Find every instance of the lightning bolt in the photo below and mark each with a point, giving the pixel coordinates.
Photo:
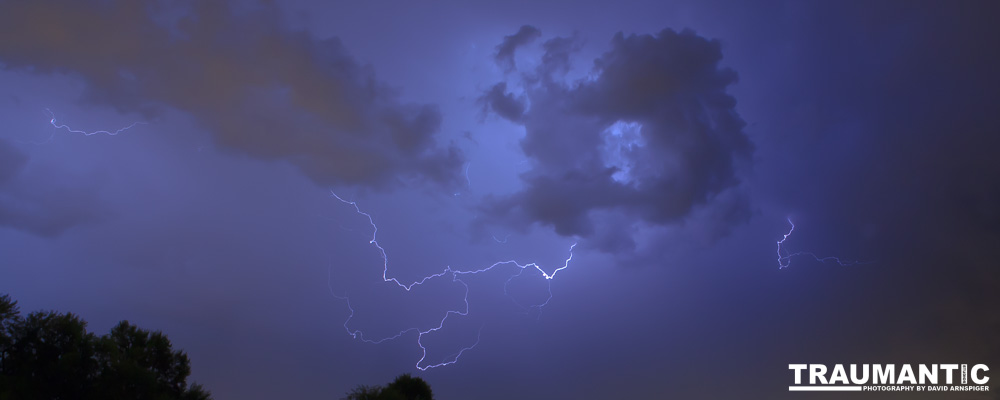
(785, 258)
(468, 181)
(85, 133)
(455, 277)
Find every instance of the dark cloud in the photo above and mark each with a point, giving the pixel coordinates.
(503, 103)
(257, 87)
(557, 52)
(38, 202)
(505, 50)
(652, 138)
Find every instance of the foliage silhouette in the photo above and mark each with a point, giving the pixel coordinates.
(404, 387)
(49, 355)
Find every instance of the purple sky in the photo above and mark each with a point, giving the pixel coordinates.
(669, 140)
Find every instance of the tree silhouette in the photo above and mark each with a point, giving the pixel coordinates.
(8, 315)
(134, 363)
(411, 388)
(404, 387)
(365, 392)
(48, 355)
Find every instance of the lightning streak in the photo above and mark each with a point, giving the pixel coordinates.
(85, 133)
(467, 180)
(455, 275)
(504, 241)
(785, 258)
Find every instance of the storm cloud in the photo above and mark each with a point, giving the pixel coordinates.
(256, 86)
(505, 50)
(649, 138)
(503, 103)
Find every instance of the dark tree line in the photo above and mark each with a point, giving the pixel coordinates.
(405, 387)
(49, 355)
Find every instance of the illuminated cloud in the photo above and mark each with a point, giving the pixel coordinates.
(650, 139)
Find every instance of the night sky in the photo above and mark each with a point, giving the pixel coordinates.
(671, 141)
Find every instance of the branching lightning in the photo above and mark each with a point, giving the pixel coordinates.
(785, 258)
(455, 277)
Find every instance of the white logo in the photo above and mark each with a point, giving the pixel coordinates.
(890, 378)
